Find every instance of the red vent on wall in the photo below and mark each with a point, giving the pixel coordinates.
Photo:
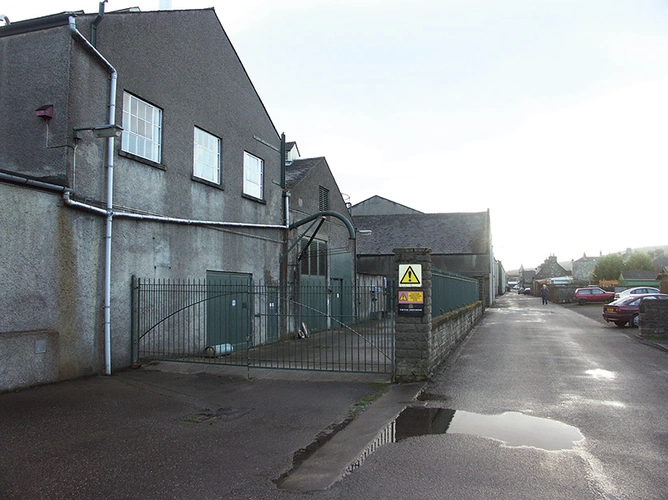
(45, 112)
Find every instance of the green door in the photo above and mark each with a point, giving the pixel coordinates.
(228, 309)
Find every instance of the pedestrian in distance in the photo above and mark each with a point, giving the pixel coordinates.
(544, 292)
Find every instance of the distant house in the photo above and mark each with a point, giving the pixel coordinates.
(459, 242)
(291, 152)
(526, 276)
(638, 278)
(583, 268)
(550, 269)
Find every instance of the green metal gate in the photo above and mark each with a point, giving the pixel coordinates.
(227, 319)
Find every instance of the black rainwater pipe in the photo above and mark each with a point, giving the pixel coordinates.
(98, 20)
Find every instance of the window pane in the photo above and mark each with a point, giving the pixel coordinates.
(253, 176)
(322, 259)
(305, 259)
(314, 258)
(142, 125)
(206, 156)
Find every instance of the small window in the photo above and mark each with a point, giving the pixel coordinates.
(313, 258)
(142, 128)
(206, 156)
(303, 253)
(253, 176)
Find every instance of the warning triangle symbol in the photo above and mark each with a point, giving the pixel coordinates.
(403, 297)
(409, 277)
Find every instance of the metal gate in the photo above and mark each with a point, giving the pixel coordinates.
(227, 319)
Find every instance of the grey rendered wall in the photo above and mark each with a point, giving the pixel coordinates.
(63, 248)
(182, 62)
(207, 88)
(35, 71)
(50, 289)
(50, 326)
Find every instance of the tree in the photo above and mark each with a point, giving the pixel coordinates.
(608, 267)
(656, 253)
(639, 261)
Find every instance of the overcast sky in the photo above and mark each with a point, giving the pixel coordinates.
(552, 114)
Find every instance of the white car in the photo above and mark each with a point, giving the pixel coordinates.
(636, 290)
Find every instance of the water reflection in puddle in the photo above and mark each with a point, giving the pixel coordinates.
(601, 374)
(514, 429)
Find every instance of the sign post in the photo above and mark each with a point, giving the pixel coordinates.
(411, 302)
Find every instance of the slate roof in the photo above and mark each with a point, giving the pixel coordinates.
(639, 275)
(550, 269)
(298, 169)
(380, 200)
(445, 234)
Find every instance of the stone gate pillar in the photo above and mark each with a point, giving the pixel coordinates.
(413, 354)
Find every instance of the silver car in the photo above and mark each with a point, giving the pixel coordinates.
(636, 290)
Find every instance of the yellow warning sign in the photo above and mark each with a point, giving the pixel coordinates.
(412, 297)
(411, 275)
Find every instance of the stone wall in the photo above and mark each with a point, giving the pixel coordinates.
(450, 328)
(654, 318)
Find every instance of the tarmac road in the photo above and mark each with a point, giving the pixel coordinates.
(161, 434)
(157, 433)
(540, 371)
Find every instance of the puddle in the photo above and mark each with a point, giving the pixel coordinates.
(513, 429)
(601, 374)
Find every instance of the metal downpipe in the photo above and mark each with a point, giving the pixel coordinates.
(110, 191)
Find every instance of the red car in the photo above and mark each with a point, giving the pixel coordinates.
(627, 309)
(592, 294)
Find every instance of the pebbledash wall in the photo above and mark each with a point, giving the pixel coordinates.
(423, 342)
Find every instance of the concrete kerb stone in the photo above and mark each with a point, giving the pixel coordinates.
(658, 345)
(348, 448)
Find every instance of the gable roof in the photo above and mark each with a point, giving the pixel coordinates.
(445, 234)
(186, 19)
(584, 258)
(298, 169)
(377, 205)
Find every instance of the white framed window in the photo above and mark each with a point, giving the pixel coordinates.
(206, 156)
(142, 128)
(253, 176)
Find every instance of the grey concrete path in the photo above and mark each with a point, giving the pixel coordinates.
(173, 431)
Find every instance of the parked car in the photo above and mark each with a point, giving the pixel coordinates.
(627, 309)
(636, 290)
(592, 294)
